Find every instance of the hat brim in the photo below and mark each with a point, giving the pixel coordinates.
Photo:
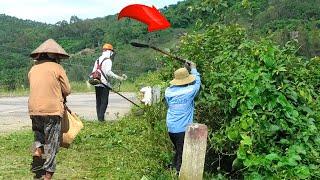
(61, 56)
(180, 82)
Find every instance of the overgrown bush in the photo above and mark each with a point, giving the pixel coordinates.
(260, 102)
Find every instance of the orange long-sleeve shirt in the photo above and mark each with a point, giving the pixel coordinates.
(49, 85)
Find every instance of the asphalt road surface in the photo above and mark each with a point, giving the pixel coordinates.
(14, 110)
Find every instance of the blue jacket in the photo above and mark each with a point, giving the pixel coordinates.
(180, 100)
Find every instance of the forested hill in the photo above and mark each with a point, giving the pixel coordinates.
(83, 40)
(281, 20)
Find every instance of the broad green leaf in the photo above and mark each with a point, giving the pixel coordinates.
(313, 167)
(250, 121)
(271, 104)
(274, 128)
(244, 124)
(282, 100)
(292, 160)
(233, 103)
(233, 134)
(306, 109)
(300, 150)
(303, 172)
(295, 114)
(254, 176)
(250, 104)
(284, 141)
(246, 140)
(269, 61)
(272, 156)
(241, 153)
(236, 163)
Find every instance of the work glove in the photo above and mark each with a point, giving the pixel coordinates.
(125, 77)
(122, 77)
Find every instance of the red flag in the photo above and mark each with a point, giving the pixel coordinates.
(145, 14)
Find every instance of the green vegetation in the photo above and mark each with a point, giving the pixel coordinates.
(280, 20)
(260, 101)
(16, 92)
(83, 40)
(259, 94)
(78, 87)
(127, 149)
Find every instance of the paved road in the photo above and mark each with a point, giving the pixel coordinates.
(14, 110)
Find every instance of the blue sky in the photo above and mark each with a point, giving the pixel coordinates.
(52, 11)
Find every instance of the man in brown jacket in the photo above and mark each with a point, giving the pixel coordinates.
(49, 87)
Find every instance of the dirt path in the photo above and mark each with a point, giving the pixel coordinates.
(14, 110)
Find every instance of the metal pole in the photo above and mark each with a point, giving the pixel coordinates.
(142, 45)
(121, 95)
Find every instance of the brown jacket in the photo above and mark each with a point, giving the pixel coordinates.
(49, 85)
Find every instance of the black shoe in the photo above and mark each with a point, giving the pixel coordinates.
(101, 120)
(39, 175)
(37, 164)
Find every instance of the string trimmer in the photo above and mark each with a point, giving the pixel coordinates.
(106, 86)
(142, 45)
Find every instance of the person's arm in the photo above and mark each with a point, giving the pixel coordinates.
(198, 79)
(108, 71)
(64, 82)
(196, 74)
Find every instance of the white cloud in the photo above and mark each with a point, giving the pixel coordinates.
(54, 11)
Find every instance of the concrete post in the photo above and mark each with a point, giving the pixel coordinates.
(156, 93)
(194, 151)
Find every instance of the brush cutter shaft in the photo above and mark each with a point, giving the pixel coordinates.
(120, 95)
(141, 45)
(125, 98)
(168, 54)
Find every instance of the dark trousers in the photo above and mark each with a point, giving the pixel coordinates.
(47, 135)
(178, 140)
(102, 99)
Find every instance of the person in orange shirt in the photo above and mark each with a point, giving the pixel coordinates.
(49, 87)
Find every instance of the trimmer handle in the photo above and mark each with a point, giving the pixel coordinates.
(170, 55)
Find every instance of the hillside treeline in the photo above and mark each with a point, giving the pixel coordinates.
(279, 20)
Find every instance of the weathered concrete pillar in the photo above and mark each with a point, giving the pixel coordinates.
(194, 152)
(156, 93)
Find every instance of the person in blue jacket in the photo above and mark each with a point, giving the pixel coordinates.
(180, 99)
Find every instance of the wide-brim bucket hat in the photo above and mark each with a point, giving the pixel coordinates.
(182, 77)
(50, 46)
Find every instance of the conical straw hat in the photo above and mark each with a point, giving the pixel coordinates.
(50, 46)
